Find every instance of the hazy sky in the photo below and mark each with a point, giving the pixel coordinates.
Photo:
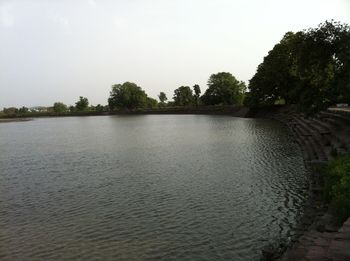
(57, 50)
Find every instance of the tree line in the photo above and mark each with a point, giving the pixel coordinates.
(223, 89)
(310, 68)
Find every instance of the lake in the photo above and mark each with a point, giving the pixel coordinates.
(151, 187)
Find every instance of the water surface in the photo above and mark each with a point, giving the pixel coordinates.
(157, 187)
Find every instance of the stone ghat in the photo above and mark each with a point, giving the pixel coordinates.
(321, 138)
(318, 246)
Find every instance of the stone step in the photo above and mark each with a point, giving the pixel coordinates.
(324, 124)
(318, 149)
(305, 125)
(337, 137)
(335, 124)
(335, 116)
(318, 141)
(324, 137)
(306, 149)
(303, 130)
(316, 126)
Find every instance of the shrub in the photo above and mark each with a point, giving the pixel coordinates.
(337, 186)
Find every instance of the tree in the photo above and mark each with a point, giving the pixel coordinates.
(342, 51)
(273, 80)
(309, 68)
(322, 65)
(242, 88)
(59, 107)
(183, 96)
(223, 88)
(72, 108)
(197, 93)
(23, 110)
(151, 103)
(82, 104)
(99, 108)
(127, 95)
(10, 111)
(162, 97)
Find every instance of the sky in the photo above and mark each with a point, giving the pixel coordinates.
(58, 50)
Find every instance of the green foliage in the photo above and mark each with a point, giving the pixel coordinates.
(309, 68)
(23, 110)
(224, 89)
(337, 186)
(183, 96)
(72, 108)
(273, 79)
(170, 104)
(151, 103)
(127, 96)
(162, 97)
(10, 111)
(82, 104)
(197, 93)
(99, 108)
(59, 107)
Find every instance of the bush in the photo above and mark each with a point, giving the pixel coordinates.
(337, 186)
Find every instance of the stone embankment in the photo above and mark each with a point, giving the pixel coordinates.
(322, 246)
(321, 138)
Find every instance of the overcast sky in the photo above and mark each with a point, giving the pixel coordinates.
(59, 50)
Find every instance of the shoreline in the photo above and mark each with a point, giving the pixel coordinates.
(316, 228)
(237, 111)
(8, 120)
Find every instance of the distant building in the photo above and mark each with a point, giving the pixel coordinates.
(39, 109)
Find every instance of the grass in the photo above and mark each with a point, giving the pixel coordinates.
(337, 186)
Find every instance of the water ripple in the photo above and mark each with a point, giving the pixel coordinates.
(147, 188)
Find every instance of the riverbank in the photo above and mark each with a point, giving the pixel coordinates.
(322, 138)
(236, 111)
(5, 120)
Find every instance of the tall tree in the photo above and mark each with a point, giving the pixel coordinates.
(273, 80)
(183, 96)
(197, 93)
(127, 95)
(59, 107)
(82, 104)
(99, 108)
(162, 97)
(309, 68)
(151, 103)
(223, 88)
(23, 110)
(10, 111)
(322, 64)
